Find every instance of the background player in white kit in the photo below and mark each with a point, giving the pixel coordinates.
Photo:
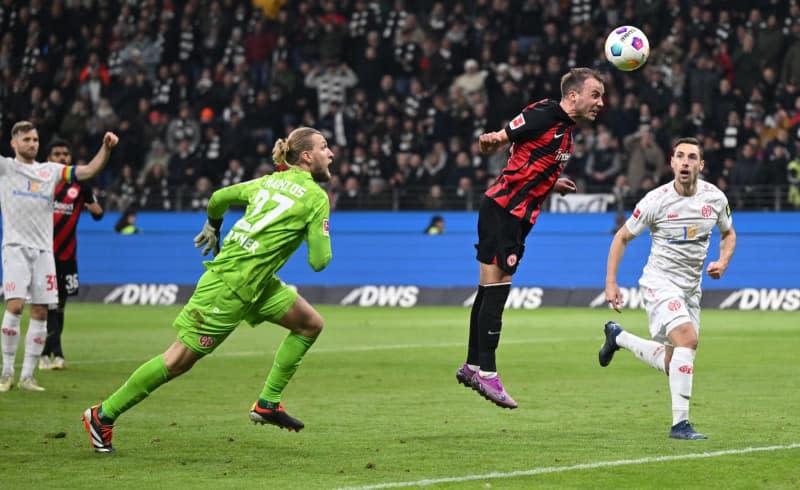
(26, 200)
(681, 216)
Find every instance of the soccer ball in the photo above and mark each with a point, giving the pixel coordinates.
(627, 48)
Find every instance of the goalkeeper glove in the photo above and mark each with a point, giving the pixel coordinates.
(208, 238)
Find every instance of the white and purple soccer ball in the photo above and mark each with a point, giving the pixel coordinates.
(627, 48)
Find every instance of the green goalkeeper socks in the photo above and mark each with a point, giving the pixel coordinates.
(287, 360)
(142, 382)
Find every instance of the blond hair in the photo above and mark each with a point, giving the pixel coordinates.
(22, 127)
(287, 151)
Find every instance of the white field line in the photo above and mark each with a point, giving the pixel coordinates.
(328, 350)
(577, 467)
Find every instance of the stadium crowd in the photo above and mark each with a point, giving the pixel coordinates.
(198, 90)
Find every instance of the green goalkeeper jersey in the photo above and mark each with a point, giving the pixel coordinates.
(283, 209)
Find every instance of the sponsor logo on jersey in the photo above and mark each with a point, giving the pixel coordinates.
(706, 211)
(33, 189)
(143, 294)
(402, 296)
(763, 299)
(44, 173)
(326, 227)
(563, 156)
(517, 122)
(63, 208)
(672, 216)
(72, 193)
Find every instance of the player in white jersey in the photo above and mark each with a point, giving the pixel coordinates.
(26, 199)
(680, 216)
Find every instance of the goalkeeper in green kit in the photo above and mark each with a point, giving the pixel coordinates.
(282, 210)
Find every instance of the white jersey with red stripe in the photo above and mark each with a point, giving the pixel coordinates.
(680, 228)
(26, 201)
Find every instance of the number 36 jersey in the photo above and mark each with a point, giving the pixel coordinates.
(680, 227)
(282, 210)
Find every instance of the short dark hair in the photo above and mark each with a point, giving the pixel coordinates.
(58, 142)
(573, 79)
(689, 141)
(22, 127)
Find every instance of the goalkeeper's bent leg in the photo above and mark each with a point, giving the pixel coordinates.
(287, 360)
(142, 382)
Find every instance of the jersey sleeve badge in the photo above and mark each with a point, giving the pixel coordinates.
(326, 227)
(517, 122)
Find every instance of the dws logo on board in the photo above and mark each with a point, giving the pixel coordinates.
(518, 298)
(143, 294)
(402, 296)
(763, 299)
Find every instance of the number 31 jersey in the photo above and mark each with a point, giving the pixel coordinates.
(282, 210)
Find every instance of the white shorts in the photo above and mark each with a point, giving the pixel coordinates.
(669, 306)
(29, 274)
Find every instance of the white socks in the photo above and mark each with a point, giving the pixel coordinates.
(10, 340)
(34, 345)
(649, 351)
(681, 372)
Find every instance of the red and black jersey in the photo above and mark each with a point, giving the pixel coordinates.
(541, 137)
(69, 200)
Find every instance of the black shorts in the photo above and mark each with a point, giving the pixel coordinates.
(67, 276)
(501, 236)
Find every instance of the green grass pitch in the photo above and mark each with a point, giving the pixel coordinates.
(383, 410)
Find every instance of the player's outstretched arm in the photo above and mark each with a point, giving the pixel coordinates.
(98, 163)
(615, 253)
(727, 245)
(490, 142)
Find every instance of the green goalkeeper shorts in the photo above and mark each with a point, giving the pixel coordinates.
(214, 311)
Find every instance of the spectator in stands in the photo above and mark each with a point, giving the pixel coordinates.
(233, 174)
(436, 225)
(331, 83)
(604, 162)
(183, 127)
(124, 190)
(201, 194)
(350, 198)
(155, 190)
(645, 158)
(745, 177)
(126, 224)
